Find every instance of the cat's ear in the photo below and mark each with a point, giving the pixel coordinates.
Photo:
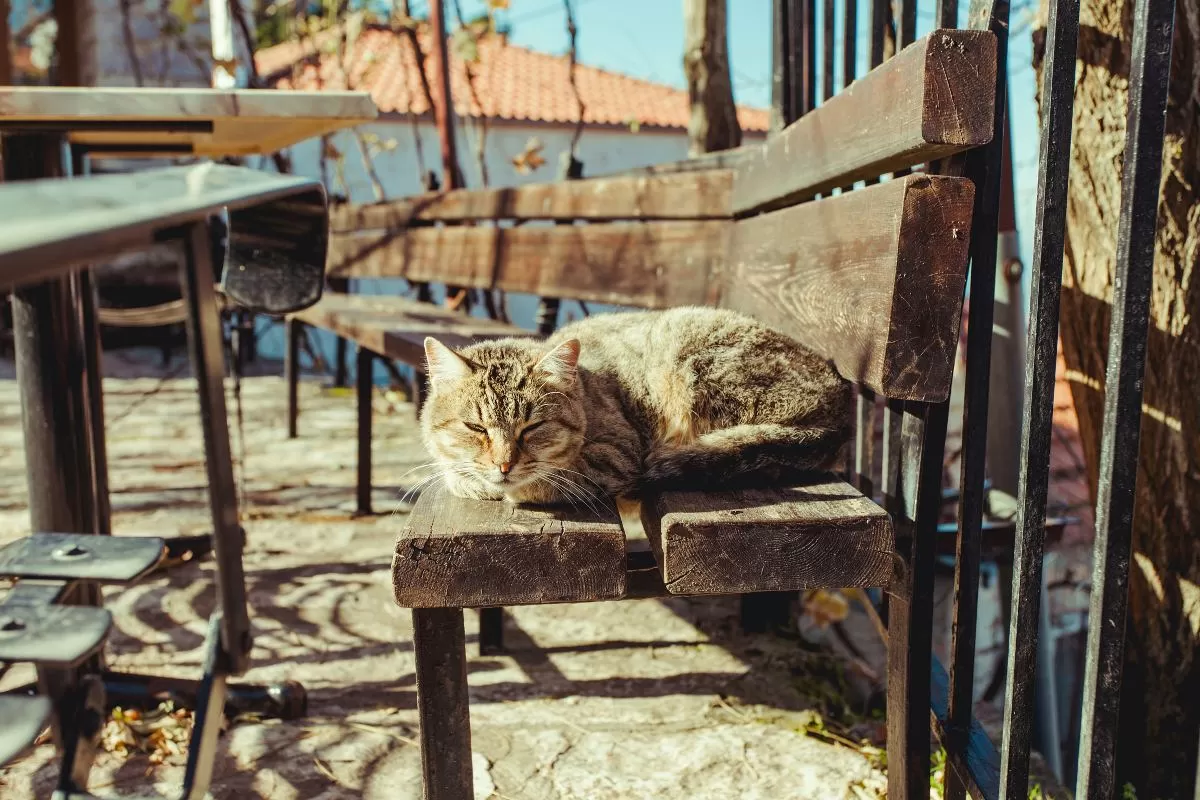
(558, 366)
(442, 363)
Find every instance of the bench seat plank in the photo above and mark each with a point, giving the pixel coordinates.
(457, 553)
(396, 327)
(826, 534)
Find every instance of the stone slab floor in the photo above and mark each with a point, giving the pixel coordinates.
(644, 699)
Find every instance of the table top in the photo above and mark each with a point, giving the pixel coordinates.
(204, 122)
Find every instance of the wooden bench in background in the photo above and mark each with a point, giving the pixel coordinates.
(871, 278)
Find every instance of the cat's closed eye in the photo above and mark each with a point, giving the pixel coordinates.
(475, 428)
(531, 427)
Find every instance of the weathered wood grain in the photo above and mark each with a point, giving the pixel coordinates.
(695, 195)
(935, 98)
(396, 327)
(443, 709)
(647, 264)
(822, 535)
(473, 553)
(872, 279)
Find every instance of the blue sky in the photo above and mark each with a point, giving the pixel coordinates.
(644, 38)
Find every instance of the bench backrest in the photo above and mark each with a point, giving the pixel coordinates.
(872, 278)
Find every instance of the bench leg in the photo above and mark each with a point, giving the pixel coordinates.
(491, 631)
(339, 363)
(442, 709)
(909, 666)
(364, 369)
(291, 373)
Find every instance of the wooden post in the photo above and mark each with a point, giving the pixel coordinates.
(713, 124)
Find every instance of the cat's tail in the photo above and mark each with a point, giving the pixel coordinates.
(744, 456)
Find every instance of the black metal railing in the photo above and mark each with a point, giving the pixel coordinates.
(908, 470)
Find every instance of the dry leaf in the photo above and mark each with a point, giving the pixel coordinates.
(530, 158)
(824, 607)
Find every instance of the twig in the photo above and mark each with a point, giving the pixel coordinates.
(572, 32)
(130, 43)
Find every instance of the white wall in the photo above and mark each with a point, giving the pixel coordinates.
(162, 59)
(602, 151)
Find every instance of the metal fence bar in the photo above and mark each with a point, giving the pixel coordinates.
(983, 165)
(907, 24)
(1153, 25)
(828, 58)
(880, 15)
(1054, 164)
(808, 56)
(849, 41)
(946, 14)
(781, 85)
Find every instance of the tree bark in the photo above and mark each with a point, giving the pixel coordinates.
(713, 124)
(1160, 705)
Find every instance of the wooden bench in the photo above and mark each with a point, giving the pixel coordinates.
(872, 278)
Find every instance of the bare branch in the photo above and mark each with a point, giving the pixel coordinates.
(130, 43)
(572, 32)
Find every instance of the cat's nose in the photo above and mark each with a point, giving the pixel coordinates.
(505, 467)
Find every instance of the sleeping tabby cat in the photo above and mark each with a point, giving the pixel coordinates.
(624, 403)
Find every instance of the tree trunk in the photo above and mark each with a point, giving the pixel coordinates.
(1160, 707)
(713, 124)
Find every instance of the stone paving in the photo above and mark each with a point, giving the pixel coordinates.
(642, 699)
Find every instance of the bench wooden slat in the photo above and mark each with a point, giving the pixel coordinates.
(933, 99)
(648, 264)
(872, 279)
(822, 535)
(396, 327)
(470, 553)
(695, 195)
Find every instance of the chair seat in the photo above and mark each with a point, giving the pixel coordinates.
(77, 556)
(825, 534)
(396, 327)
(457, 553)
(55, 635)
(24, 718)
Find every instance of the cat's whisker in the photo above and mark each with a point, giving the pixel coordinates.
(447, 470)
(580, 474)
(572, 490)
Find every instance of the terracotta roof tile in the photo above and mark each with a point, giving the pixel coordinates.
(513, 83)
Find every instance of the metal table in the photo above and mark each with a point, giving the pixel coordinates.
(51, 237)
(43, 130)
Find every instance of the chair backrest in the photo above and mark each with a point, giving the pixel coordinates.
(872, 278)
